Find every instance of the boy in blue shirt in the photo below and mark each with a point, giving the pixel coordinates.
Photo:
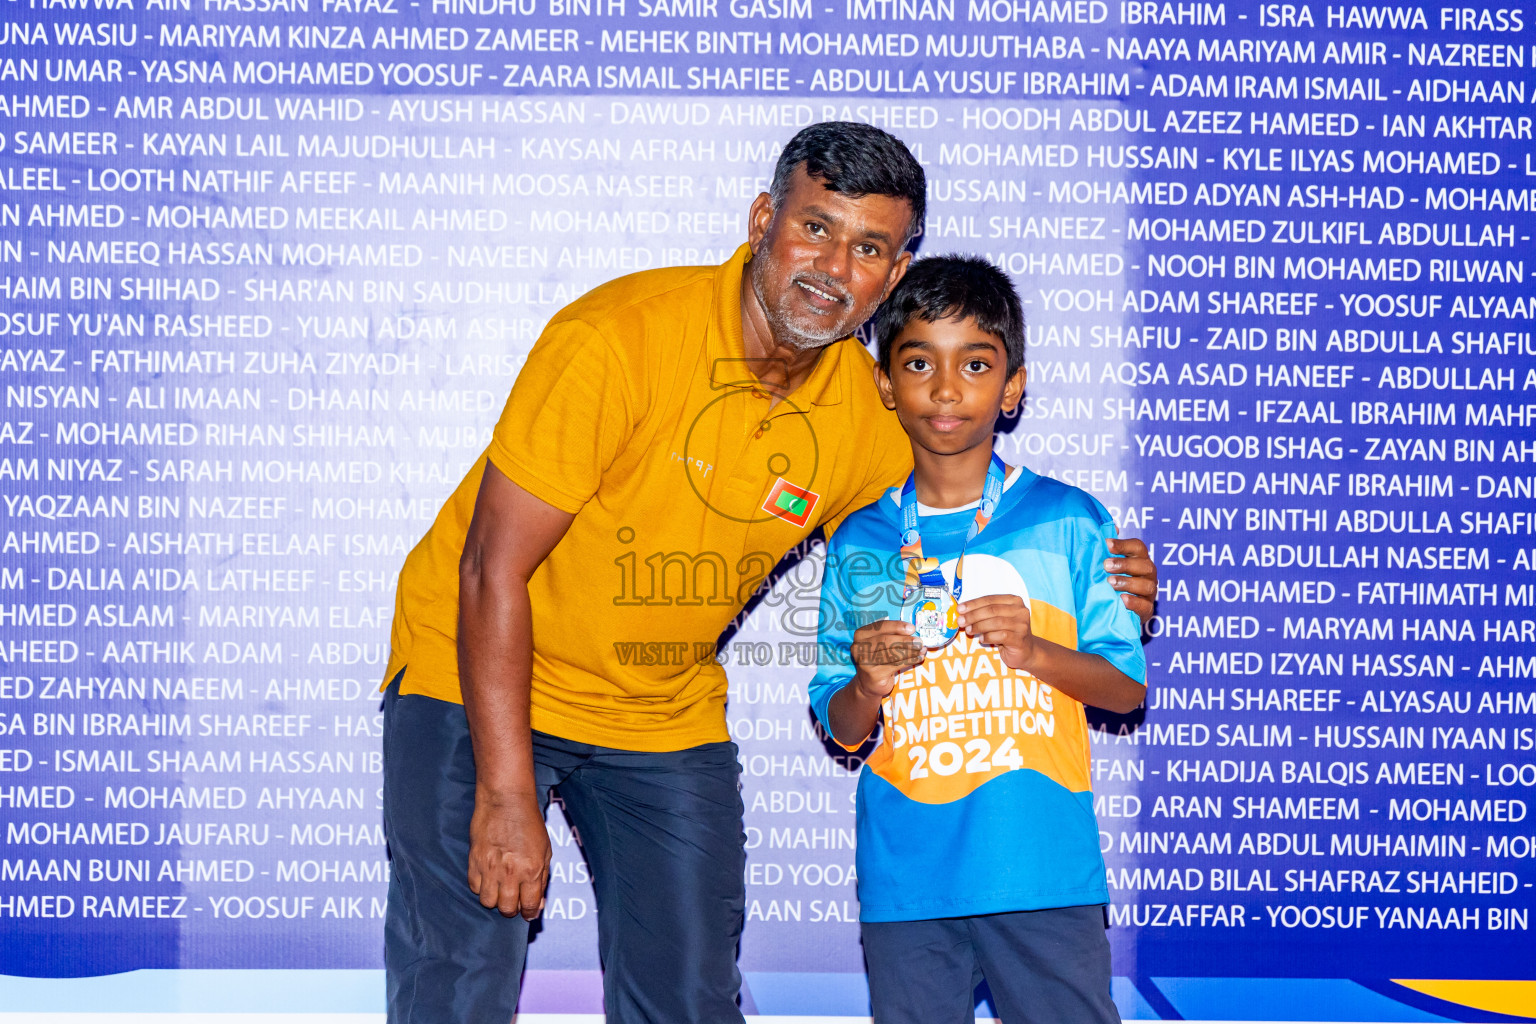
(980, 621)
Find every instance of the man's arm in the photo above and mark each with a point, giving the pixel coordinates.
(509, 537)
(1138, 587)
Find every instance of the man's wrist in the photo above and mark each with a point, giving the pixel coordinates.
(510, 795)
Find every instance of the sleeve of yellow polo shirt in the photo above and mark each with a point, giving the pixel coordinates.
(890, 462)
(567, 418)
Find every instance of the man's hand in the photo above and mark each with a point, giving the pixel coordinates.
(1138, 585)
(882, 651)
(509, 855)
(1002, 621)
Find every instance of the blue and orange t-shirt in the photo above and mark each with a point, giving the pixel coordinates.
(978, 797)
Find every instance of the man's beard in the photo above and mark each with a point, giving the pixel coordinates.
(804, 330)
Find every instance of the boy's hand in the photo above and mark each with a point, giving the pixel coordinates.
(1138, 587)
(882, 651)
(1002, 621)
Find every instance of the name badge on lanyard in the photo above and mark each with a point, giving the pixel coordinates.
(929, 602)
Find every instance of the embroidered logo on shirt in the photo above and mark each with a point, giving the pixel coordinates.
(790, 503)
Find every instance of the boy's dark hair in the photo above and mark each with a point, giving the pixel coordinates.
(854, 160)
(954, 288)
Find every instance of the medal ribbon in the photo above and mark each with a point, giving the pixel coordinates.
(926, 572)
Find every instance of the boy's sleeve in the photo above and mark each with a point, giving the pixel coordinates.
(1105, 626)
(567, 418)
(834, 632)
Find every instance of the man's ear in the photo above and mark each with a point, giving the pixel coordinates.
(898, 271)
(883, 385)
(759, 220)
(1013, 391)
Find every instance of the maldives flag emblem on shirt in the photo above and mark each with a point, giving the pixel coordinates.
(790, 503)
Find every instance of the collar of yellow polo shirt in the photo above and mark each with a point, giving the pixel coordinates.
(637, 412)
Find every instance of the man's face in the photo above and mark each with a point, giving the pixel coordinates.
(822, 262)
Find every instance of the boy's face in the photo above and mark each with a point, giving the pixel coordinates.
(947, 383)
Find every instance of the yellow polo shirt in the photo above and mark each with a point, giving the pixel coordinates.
(636, 412)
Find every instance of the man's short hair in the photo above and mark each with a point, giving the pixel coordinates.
(954, 288)
(855, 160)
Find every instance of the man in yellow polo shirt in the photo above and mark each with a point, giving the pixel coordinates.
(671, 435)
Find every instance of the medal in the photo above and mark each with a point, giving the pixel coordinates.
(928, 601)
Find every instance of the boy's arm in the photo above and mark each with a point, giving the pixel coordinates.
(1003, 621)
(844, 693)
(881, 651)
(1108, 668)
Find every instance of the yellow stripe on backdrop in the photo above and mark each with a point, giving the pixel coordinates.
(1512, 998)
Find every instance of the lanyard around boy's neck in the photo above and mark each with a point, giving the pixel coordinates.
(923, 575)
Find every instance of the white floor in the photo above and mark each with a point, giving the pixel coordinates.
(378, 1018)
(347, 1018)
(344, 1018)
